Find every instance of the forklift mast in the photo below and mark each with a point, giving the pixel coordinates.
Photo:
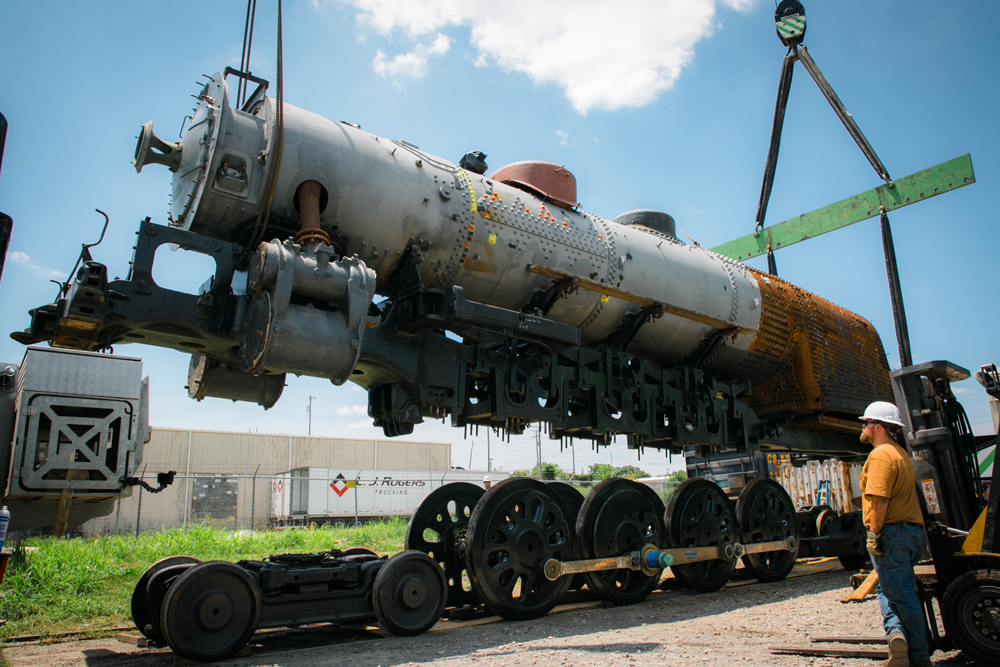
(940, 441)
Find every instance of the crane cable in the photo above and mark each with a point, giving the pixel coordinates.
(241, 87)
(264, 214)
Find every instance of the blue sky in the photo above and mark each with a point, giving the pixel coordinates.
(663, 105)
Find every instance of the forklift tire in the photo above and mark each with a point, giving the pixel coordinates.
(970, 610)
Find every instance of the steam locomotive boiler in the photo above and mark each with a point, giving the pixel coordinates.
(505, 303)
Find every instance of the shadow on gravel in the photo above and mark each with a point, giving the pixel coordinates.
(505, 638)
(105, 658)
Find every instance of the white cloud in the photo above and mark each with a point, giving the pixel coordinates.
(604, 55)
(597, 141)
(961, 390)
(22, 259)
(353, 410)
(563, 137)
(413, 64)
(362, 423)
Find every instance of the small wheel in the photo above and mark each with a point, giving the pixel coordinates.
(620, 516)
(766, 514)
(156, 592)
(574, 502)
(410, 593)
(438, 528)
(699, 514)
(516, 527)
(970, 610)
(142, 613)
(210, 612)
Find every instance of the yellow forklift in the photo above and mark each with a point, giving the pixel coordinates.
(960, 512)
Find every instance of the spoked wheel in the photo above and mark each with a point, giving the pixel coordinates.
(438, 529)
(144, 615)
(574, 502)
(970, 610)
(766, 514)
(517, 526)
(210, 612)
(620, 516)
(410, 593)
(699, 514)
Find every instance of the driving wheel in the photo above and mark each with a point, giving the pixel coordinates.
(574, 502)
(410, 593)
(438, 529)
(620, 516)
(970, 610)
(699, 514)
(145, 617)
(515, 528)
(210, 612)
(766, 514)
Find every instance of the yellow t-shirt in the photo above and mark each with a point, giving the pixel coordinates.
(888, 472)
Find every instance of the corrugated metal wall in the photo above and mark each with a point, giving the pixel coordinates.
(804, 483)
(225, 478)
(221, 452)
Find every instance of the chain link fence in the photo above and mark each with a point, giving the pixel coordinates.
(302, 497)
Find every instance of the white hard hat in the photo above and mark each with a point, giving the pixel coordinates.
(486, 479)
(882, 412)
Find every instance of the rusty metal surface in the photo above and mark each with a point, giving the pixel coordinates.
(548, 179)
(309, 208)
(812, 359)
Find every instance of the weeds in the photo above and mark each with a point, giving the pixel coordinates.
(86, 584)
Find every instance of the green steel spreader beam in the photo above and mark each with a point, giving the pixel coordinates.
(925, 184)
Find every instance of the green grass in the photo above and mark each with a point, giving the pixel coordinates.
(86, 584)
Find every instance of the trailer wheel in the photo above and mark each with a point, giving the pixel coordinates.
(970, 610)
(143, 615)
(409, 594)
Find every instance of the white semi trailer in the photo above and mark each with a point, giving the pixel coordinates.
(325, 494)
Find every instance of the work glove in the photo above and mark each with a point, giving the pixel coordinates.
(875, 543)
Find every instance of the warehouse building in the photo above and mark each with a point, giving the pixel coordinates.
(225, 479)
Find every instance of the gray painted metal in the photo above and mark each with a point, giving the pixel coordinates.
(76, 411)
(282, 337)
(384, 197)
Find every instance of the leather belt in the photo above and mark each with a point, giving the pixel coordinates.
(904, 523)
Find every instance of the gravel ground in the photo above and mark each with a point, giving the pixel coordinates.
(738, 626)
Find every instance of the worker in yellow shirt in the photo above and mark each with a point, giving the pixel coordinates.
(895, 534)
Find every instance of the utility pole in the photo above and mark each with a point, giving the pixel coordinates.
(573, 449)
(488, 459)
(310, 411)
(538, 447)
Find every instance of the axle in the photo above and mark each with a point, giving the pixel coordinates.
(650, 559)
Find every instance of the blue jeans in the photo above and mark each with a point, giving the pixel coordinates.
(902, 611)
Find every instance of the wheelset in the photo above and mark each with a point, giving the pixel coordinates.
(439, 527)
(145, 615)
(210, 612)
(699, 514)
(516, 527)
(766, 514)
(410, 593)
(618, 517)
